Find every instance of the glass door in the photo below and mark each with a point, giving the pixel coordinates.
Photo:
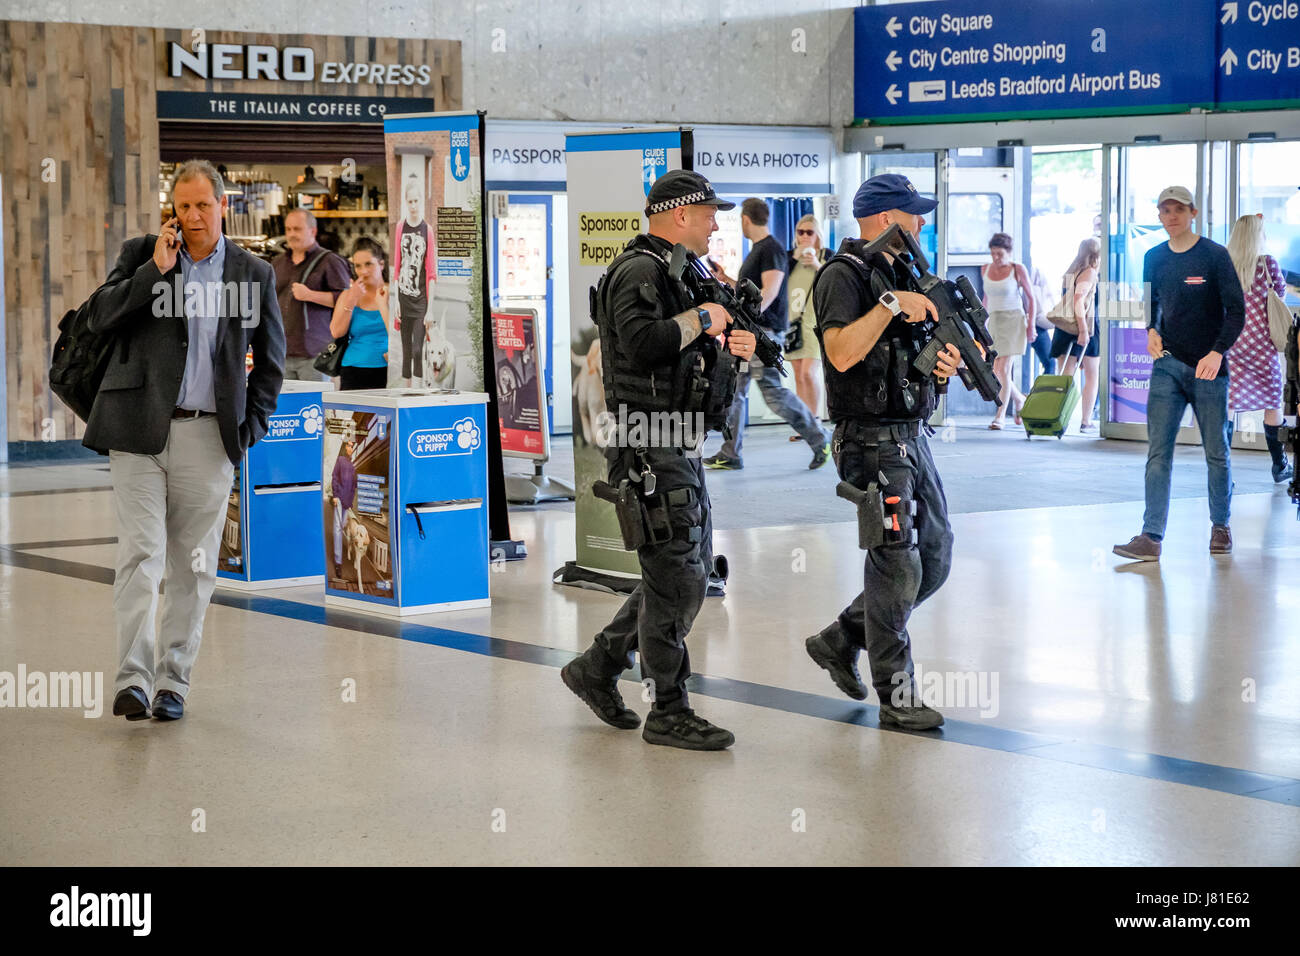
(1136, 175)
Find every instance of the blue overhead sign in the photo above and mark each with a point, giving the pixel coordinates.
(1258, 61)
(962, 60)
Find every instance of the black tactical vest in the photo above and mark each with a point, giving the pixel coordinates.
(683, 386)
(884, 386)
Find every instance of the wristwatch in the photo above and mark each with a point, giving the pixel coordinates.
(705, 321)
(890, 302)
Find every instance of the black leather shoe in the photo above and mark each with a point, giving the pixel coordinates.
(843, 672)
(131, 703)
(168, 705)
(686, 730)
(601, 696)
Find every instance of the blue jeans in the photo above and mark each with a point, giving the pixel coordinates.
(780, 400)
(1042, 346)
(1174, 386)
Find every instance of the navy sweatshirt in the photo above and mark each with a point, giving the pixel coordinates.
(1197, 304)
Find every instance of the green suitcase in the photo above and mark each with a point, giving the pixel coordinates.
(1049, 405)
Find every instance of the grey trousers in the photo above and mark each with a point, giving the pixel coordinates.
(301, 368)
(781, 400)
(658, 615)
(170, 511)
(896, 577)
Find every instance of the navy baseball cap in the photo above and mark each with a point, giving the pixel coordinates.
(890, 191)
(682, 187)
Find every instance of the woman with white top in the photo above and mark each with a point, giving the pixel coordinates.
(1079, 288)
(1009, 325)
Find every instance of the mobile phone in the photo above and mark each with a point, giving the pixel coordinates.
(174, 240)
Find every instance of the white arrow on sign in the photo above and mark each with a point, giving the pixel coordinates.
(892, 94)
(893, 60)
(1229, 13)
(1228, 61)
(892, 27)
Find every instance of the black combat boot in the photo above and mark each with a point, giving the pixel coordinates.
(840, 662)
(600, 694)
(685, 729)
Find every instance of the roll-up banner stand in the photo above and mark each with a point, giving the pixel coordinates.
(438, 280)
(521, 397)
(610, 173)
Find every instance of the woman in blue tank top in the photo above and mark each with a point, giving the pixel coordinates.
(361, 313)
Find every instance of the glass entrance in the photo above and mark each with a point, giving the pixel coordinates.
(1136, 175)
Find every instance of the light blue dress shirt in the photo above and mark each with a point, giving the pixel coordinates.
(202, 315)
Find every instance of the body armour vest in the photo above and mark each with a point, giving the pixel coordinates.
(695, 382)
(884, 386)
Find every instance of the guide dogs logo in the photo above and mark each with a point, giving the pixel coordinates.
(654, 163)
(305, 425)
(459, 155)
(1195, 280)
(460, 439)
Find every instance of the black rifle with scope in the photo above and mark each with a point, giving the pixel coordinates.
(961, 316)
(744, 305)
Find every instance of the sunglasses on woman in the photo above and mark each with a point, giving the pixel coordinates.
(805, 232)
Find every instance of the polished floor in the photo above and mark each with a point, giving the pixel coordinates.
(1118, 714)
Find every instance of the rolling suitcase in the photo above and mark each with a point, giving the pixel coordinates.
(1049, 405)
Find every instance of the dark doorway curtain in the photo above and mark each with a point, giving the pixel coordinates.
(785, 213)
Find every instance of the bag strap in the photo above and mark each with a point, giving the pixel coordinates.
(311, 264)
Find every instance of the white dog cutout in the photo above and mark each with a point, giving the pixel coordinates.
(357, 539)
(439, 354)
(589, 389)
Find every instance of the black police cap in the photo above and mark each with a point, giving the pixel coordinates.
(681, 187)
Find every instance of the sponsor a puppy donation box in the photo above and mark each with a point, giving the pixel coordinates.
(272, 534)
(405, 515)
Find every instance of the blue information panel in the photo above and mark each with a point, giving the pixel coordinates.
(962, 60)
(1258, 62)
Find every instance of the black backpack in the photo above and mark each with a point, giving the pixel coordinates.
(79, 361)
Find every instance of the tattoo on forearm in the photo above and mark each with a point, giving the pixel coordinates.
(690, 326)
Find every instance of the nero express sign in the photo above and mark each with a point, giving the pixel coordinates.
(297, 64)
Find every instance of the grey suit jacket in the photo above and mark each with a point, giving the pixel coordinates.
(133, 409)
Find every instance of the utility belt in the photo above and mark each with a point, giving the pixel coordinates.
(645, 513)
(884, 518)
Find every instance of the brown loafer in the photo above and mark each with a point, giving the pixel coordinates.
(1141, 548)
(1220, 539)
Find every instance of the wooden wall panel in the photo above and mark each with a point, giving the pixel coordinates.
(62, 236)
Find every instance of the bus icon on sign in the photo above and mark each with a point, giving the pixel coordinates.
(926, 91)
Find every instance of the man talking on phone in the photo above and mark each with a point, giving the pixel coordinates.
(175, 413)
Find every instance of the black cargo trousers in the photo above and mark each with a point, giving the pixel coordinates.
(898, 575)
(658, 615)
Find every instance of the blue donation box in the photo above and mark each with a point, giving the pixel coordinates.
(272, 533)
(405, 500)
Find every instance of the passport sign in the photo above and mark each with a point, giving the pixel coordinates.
(1258, 62)
(962, 60)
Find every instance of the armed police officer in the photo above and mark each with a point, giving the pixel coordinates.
(661, 361)
(869, 325)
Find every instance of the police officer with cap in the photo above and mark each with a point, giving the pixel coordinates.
(650, 330)
(868, 325)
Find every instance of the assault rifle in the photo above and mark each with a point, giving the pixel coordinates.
(961, 316)
(1290, 403)
(744, 305)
